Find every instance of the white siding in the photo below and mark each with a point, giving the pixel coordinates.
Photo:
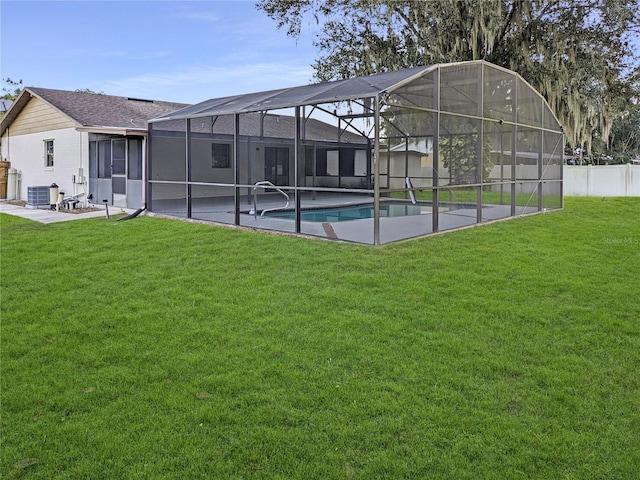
(37, 116)
(27, 154)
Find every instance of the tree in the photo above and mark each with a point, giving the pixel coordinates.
(625, 136)
(11, 89)
(87, 90)
(575, 52)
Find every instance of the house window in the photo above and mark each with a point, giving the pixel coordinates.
(220, 155)
(48, 153)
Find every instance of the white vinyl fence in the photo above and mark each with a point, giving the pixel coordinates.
(602, 180)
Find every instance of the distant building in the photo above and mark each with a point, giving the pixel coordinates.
(4, 106)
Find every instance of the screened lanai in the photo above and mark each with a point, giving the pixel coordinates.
(372, 160)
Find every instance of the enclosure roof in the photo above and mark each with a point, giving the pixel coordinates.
(315, 94)
(272, 126)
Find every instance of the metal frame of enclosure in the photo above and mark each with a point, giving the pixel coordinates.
(371, 160)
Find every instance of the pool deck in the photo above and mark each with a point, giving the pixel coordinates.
(392, 229)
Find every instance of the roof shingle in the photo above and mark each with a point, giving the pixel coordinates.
(98, 110)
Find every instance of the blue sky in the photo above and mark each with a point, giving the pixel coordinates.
(183, 51)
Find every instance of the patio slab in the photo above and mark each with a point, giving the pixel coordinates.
(42, 215)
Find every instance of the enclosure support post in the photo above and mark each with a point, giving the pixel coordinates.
(514, 139)
(480, 171)
(250, 158)
(147, 171)
(562, 173)
(188, 165)
(514, 148)
(406, 162)
(376, 175)
(236, 169)
(315, 167)
(435, 194)
(368, 171)
(296, 161)
(501, 167)
(540, 169)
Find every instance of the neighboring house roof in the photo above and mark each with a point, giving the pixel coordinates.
(5, 105)
(94, 110)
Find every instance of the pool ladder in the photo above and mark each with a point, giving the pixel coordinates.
(264, 185)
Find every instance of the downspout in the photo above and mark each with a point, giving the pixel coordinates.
(77, 178)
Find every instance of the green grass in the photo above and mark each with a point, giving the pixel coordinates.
(157, 349)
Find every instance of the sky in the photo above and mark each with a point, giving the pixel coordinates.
(180, 51)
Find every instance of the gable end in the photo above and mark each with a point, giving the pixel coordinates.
(37, 116)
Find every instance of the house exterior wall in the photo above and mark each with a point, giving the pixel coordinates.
(26, 152)
(23, 144)
(169, 156)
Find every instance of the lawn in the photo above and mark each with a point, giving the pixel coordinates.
(159, 349)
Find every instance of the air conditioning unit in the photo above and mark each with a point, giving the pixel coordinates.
(37, 196)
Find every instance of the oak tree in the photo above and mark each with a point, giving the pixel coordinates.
(577, 53)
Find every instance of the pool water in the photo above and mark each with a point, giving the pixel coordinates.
(352, 212)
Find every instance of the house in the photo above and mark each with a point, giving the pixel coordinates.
(4, 106)
(86, 143)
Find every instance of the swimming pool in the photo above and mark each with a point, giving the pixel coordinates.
(352, 212)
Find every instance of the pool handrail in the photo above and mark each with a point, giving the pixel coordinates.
(266, 184)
